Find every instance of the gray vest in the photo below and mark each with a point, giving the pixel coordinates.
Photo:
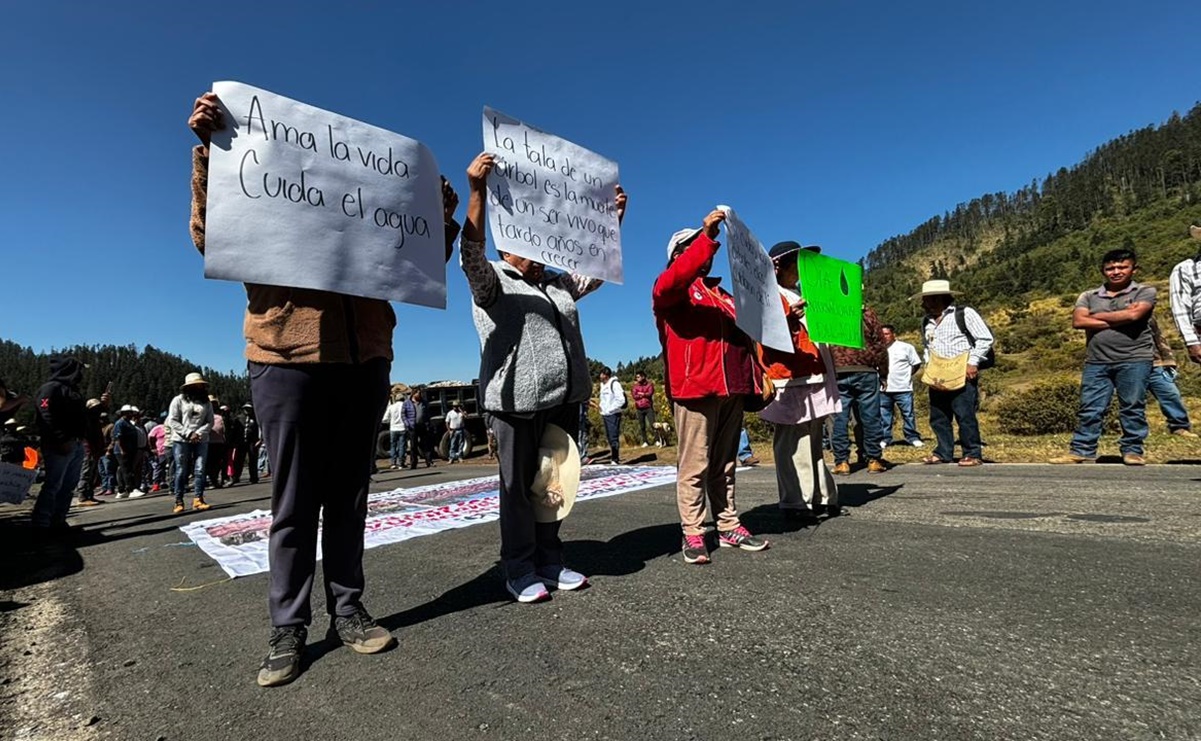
(531, 350)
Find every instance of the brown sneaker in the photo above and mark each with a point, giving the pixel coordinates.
(1072, 458)
(200, 505)
(875, 465)
(1133, 459)
(1185, 433)
(362, 634)
(842, 469)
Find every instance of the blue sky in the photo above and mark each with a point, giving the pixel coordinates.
(839, 124)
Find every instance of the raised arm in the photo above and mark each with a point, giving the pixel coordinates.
(580, 286)
(672, 285)
(481, 277)
(205, 119)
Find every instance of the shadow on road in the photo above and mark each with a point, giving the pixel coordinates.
(768, 519)
(623, 554)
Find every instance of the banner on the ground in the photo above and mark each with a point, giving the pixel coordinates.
(306, 198)
(15, 482)
(552, 201)
(758, 309)
(239, 543)
(833, 293)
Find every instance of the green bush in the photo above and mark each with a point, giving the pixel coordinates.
(1047, 408)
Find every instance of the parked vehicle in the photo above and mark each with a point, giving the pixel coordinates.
(440, 397)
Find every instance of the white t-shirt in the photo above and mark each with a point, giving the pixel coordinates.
(902, 359)
(454, 420)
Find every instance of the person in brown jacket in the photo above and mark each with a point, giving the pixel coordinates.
(319, 367)
(860, 373)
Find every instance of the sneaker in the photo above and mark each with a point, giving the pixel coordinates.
(749, 461)
(841, 469)
(1182, 432)
(361, 633)
(282, 664)
(883, 444)
(695, 550)
(178, 507)
(917, 443)
(200, 505)
(876, 465)
(1133, 459)
(1071, 458)
(561, 577)
(89, 502)
(122, 495)
(154, 489)
(740, 537)
(136, 493)
(105, 493)
(647, 445)
(527, 588)
(614, 462)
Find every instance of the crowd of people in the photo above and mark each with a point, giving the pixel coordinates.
(319, 375)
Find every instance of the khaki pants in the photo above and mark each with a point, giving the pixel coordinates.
(708, 443)
(801, 473)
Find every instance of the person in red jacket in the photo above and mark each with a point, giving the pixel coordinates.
(710, 370)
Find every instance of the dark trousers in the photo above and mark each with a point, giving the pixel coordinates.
(525, 544)
(126, 472)
(959, 405)
(613, 433)
(236, 460)
(215, 464)
(89, 473)
(312, 415)
(422, 446)
(646, 417)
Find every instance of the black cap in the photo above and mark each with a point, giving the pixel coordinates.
(782, 249)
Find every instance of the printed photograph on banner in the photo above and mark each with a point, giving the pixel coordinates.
(758, 310)
(15, 482)
(305, 198)
(833, 293)
(551, 200)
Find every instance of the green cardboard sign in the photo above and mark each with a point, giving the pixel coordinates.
(833, 293)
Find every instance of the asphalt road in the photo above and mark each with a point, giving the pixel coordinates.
(1005, 602)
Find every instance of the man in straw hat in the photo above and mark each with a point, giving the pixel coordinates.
(189, 421)
(1184, 292)
(533, 376)
(319, 367)
(710, 370)
(1118, 357)
(950, 331)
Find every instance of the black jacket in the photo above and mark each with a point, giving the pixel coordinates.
(62, 416)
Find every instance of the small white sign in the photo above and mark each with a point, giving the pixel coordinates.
(552, 201)
(758, 309)
(302, 197)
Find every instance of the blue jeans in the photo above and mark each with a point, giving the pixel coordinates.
(904, 401)
(959, 405)
(1098, 383)
(457, 439)
(744, 446)
(613, 433)
(399, 443)
(108, 473)
(189, 457)
(1162, 385)
(862, 390)
(62, 475)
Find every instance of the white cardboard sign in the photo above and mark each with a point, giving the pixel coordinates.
(551, 200)
(302, 197)
(757, 306)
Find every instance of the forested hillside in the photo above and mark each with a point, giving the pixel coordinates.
(148, 379)
(1004, 250)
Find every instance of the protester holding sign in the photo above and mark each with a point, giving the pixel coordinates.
(533, 373)
(710, 370)
(319, 367)
(806, 394)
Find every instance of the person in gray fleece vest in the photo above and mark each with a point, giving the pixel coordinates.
(533, 372)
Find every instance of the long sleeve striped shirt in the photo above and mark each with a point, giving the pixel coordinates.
(1184, 287)
(943, 338)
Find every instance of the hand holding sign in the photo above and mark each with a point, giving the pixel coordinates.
(758, 310)
(553, 201)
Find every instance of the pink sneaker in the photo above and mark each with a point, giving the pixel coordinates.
(695, 550)
(740, 537)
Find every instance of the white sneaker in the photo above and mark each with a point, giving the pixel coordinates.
(136, 493)
(883, 444)
(121, 495)
(918, 444)
(646, 445)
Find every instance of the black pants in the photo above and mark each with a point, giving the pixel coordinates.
(525, 544)
(319, 421)
(422, 445)
(126, 471)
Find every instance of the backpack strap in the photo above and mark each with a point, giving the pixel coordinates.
(961, 322)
